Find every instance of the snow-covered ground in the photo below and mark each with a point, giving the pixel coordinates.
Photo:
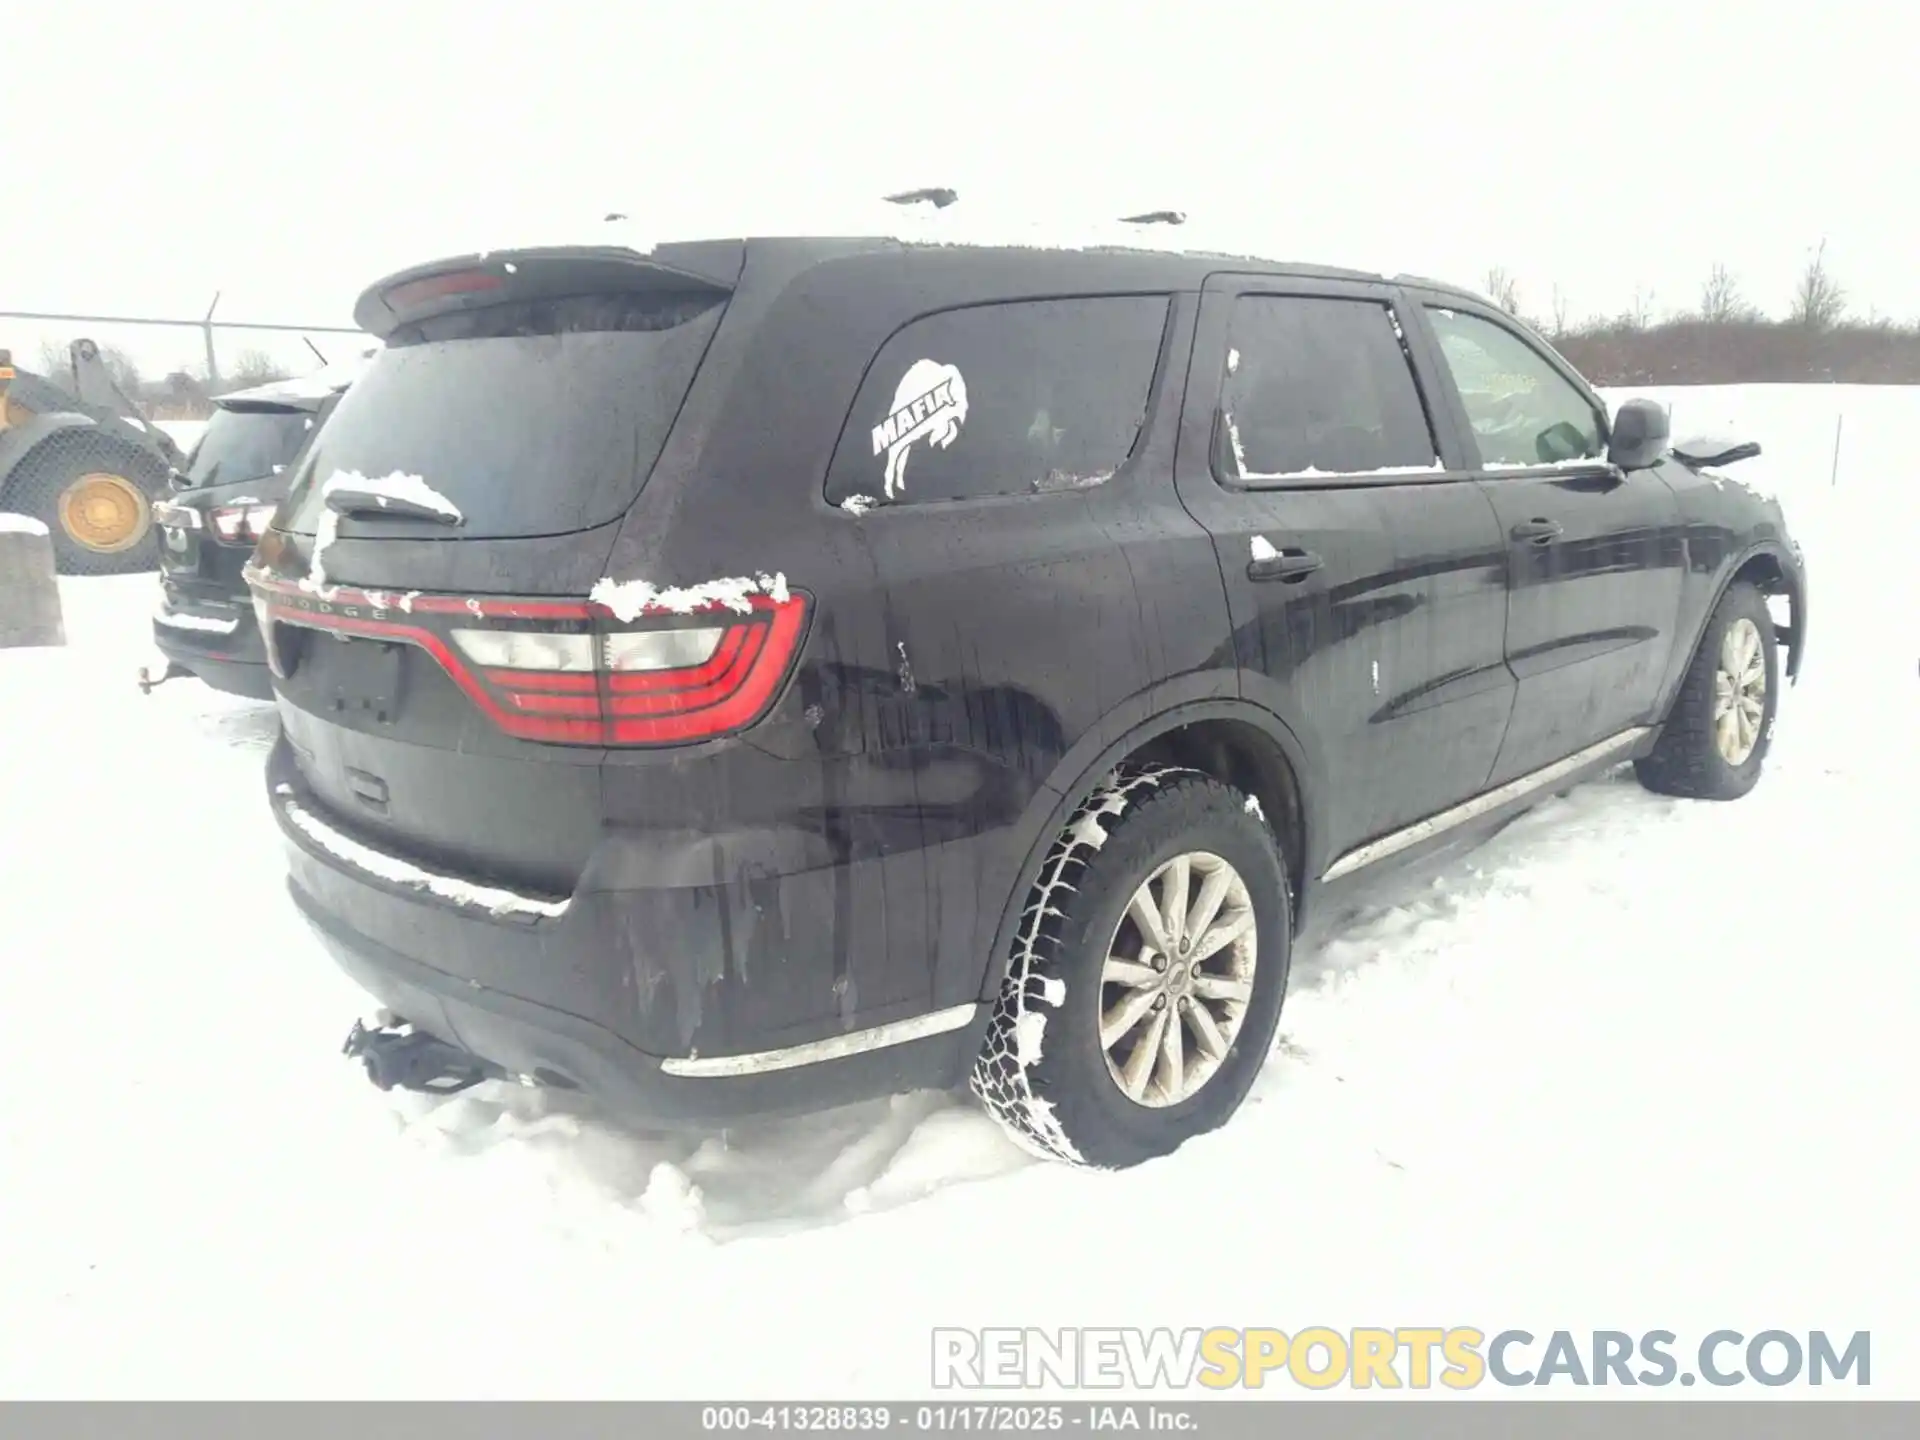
(185, 433)
(1634, 1063)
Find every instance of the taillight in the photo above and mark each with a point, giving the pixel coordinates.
(572, 673)
(439, 287)
(242, 524)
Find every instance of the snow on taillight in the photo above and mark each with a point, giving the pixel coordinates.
(569, 672)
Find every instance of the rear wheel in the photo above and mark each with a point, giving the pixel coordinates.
(1715, 740)
(1147, 977)
(95, 494)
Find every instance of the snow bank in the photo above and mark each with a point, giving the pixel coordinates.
(185, 433)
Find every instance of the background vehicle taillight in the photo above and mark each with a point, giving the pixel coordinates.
(242, 524)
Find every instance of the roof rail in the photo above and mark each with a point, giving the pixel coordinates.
(937, 196)
(1433, 284)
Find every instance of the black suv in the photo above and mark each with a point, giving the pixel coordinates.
(752, 675)
(219, 506)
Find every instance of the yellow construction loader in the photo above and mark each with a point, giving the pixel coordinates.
(76, 453)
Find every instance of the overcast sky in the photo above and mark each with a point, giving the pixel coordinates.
(287, 154)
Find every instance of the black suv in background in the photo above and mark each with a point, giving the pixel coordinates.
(219, 506)
(750, 675)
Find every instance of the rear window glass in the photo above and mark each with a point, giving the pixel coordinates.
(1318, 386)
(1007, 399)
(245, 445)
(533, 418)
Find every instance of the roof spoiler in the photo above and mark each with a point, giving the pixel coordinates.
(466, 282)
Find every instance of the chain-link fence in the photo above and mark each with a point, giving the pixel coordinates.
(172, 368)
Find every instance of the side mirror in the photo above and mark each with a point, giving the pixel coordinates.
(1640, 433)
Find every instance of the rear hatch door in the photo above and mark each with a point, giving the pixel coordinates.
(447, 527)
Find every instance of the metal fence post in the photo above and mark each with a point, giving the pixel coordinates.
(206, 330)
(1838, 422)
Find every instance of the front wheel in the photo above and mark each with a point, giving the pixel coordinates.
(1147, 976)
(1715, 740)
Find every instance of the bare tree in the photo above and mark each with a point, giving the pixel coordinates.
(56, 363)
(1720, 302)
(254, 367)
(1818, 301)
(1559, 313)
(1503, 290)
(1637, 315)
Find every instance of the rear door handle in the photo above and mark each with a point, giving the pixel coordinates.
(1540, 532)
(1288, 566)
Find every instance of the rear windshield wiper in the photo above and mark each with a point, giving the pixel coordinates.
(393, 507)
(398, 496)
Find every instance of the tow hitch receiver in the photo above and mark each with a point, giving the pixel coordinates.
(148, 682)
(399, 1055)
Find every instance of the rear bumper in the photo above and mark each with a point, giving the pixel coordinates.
(546, 1046)
(221, 644)
(544, 988)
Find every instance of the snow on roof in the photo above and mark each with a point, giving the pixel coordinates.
(982, 221)
(307, 388)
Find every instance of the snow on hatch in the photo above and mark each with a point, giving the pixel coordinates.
(384, 491)
(325, 532)
(630, 599)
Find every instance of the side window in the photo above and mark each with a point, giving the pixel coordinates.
(1319, 386)
(1004, 399)
(1522, 410)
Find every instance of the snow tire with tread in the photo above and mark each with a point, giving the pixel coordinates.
(1043, 1072)
(1687, 761)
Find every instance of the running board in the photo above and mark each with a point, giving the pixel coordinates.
(1485, 804)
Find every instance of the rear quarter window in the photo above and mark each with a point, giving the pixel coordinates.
(1015, 398)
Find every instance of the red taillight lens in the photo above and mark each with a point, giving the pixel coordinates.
(571, 673)
(242, 524)
(439, 287)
